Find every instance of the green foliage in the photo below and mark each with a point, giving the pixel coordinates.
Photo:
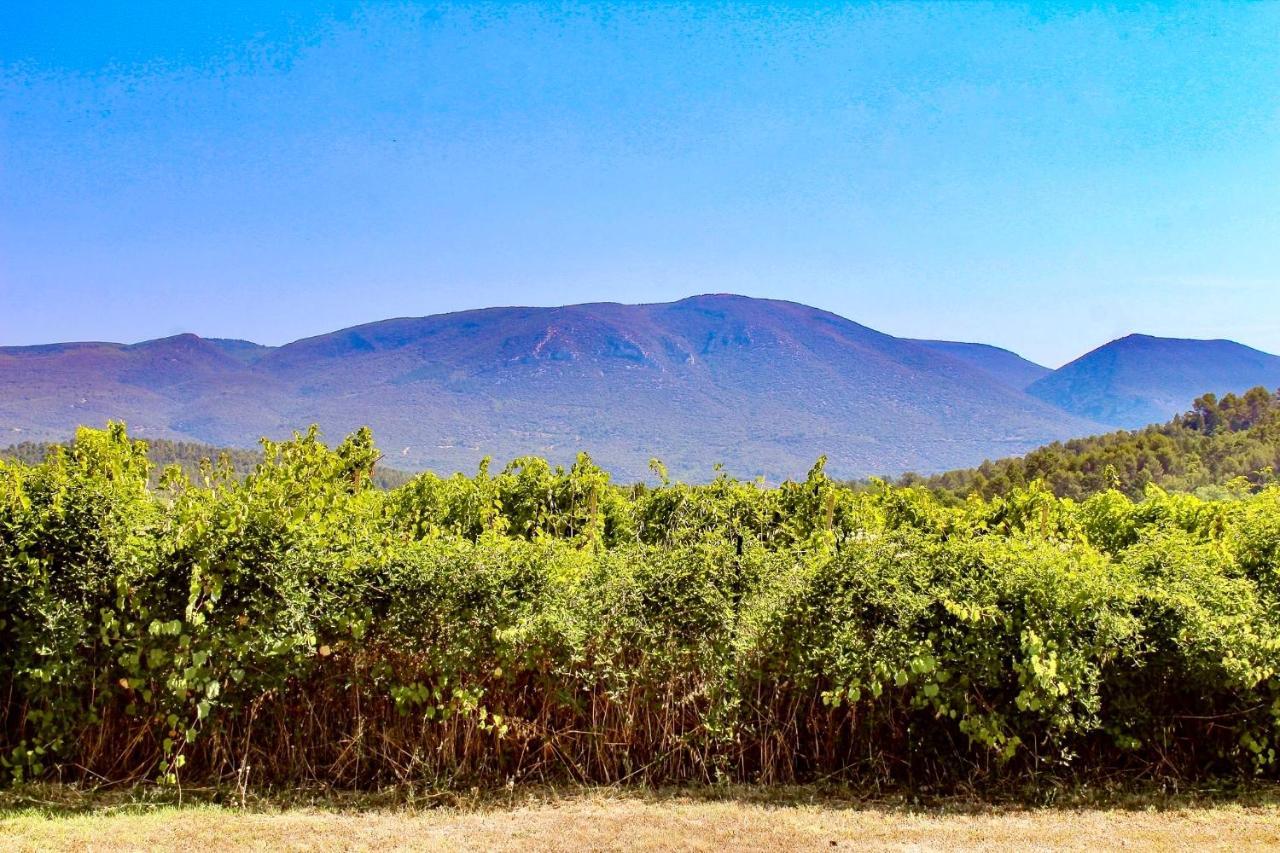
(1221, 449)
(294, 623)
(197, 461)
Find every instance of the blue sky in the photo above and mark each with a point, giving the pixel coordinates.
(1045, 177)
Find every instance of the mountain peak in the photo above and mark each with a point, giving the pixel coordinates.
(1142, 379)
(182, 340)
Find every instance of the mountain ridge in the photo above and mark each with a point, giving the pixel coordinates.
(1004, 364)
(762, 386)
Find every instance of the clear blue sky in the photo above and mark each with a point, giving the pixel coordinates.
(1045, 177)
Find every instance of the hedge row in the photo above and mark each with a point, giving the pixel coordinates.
(300, 626)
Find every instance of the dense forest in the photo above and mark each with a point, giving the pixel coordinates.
(1218, 449)
(298, 625)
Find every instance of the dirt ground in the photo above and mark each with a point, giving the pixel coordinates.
(607, 819)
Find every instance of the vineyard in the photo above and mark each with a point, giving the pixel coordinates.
(298, 625)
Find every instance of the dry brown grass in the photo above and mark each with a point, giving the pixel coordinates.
(595, 819)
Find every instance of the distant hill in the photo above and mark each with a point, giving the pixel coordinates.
(1009, 367)
(1140, 380)
(762, 386)
(183, 388)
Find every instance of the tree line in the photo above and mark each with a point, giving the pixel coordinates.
(1221, 447)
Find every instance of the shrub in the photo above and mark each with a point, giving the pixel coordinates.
(299, 625)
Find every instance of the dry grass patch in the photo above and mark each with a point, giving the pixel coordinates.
(607, 819)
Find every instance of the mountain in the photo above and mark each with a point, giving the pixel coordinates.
(246, 352)
(181, 387)
(1009, 367)
(1140, 380)
(762, 386)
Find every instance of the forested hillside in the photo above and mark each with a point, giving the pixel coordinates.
(1219, 448)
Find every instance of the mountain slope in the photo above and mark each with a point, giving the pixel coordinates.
(171, 388)
(1009, 367)
(1140, 380)
(762, 386)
